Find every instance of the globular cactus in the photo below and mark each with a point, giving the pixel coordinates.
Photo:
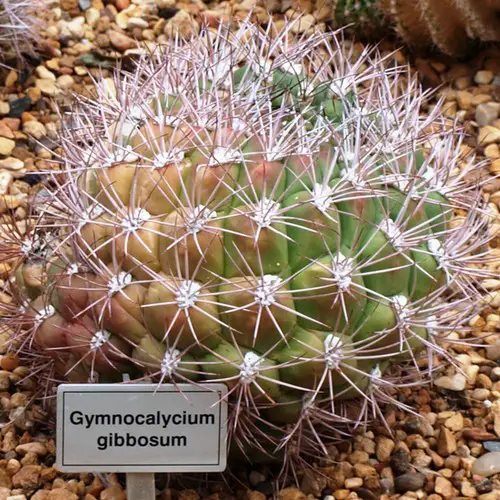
(20, 24)
(446, 25)
(262, 210)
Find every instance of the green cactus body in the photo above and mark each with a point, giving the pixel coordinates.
(364, 14)
(270, 241)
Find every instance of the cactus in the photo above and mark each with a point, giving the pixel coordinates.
(447, 25)
(20, 23)
(262, 210)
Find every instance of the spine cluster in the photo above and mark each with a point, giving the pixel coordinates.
(270, 212)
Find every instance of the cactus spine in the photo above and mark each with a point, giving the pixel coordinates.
(262, 210)
(20, 23)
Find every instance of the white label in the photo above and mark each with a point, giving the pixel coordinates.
(141, 428)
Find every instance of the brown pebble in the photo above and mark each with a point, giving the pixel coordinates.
(121, 42)
(113, 493)
(34, 447)
(9, 362)
(11, 78)
(6, 131)
(13, 123)
(5, 480)
(27, 477)
(291, 494)
(447, 444)
(254, 495)
(122, 4)
(444, 487)
(353, 483)
(62, 494)
(13, 466)
(41, 495)
(69, 4)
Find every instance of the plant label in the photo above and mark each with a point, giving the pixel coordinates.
(141, 428)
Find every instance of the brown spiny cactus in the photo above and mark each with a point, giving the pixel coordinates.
(448, 25)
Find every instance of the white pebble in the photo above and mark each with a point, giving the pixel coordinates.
(487, 465)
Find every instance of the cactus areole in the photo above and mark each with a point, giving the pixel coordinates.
(270, 212)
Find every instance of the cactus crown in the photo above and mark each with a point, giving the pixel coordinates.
(263, 210)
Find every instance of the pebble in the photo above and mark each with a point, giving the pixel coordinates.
(121, 42)
(495, 167)
(27, 477)
(384, 448)
(122, 20)
(455, 423)
(468, 490)
(33, 447)
(400, 461)
(492, 151)
(63, 494)
(6, 131)
(137, 22)
(45, 74)
(493, 351)
(305, 23)
(464, 99)
(11, 78)
(457, 382)
(291, 494)
(484, 77)
(13, 466)
(12, 164)
(487, 113)
(481, 99)
(444, 488)
(6, 146)
(491, 284)
(255, 477)
(165, 4)
(353, 483)
(447, 443)
(35, 129)
(76, 27)
(492, 445)
(463, 82)
(65, 81)
(181, 24)
(495, 410)
(420, 426)
(92, 15)
(487, 465)
(4, 108)
(19, 106)
(422, 460)
(48, 87)
(480, 394)
(488, 135)
(6, 179)
(409, 482)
